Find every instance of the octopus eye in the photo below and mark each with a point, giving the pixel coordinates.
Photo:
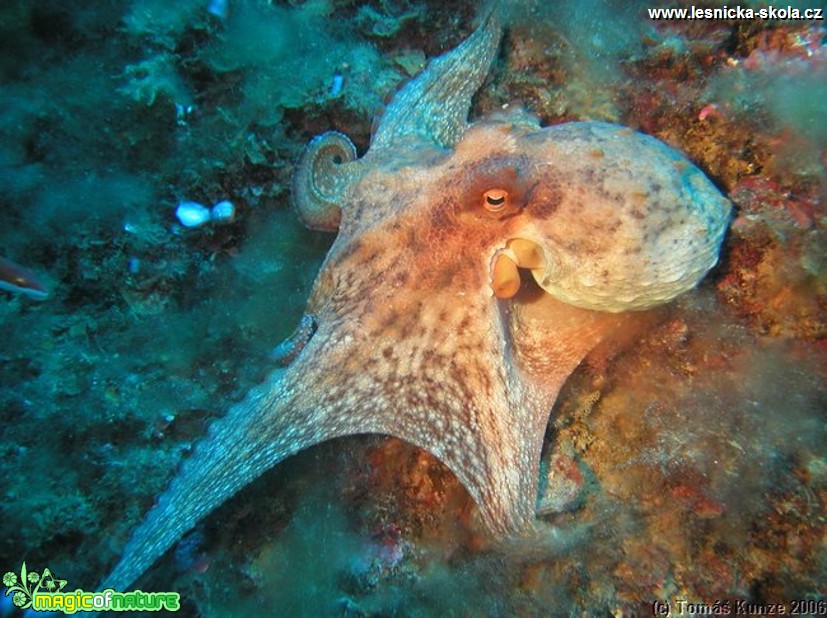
(494, 200)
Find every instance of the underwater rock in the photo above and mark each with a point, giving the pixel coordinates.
(562, 485)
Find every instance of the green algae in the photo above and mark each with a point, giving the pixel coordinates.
(148, 321)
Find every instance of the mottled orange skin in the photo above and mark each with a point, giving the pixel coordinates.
(411, 340)
(415, 343)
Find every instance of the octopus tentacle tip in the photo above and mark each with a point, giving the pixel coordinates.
(528, 254)
(289, 349)
(321, 180)
(505, 277)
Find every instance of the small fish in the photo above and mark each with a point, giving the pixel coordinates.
(19, 279)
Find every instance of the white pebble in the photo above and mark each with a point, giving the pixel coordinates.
(192, 214)
(219, 8)
(223, 212)
(337, 85)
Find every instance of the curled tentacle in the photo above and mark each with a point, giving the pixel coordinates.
(321, 179)
(287, 351)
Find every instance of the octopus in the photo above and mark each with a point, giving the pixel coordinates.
(475, 266)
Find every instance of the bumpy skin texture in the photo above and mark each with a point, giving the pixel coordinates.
(410, 340)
